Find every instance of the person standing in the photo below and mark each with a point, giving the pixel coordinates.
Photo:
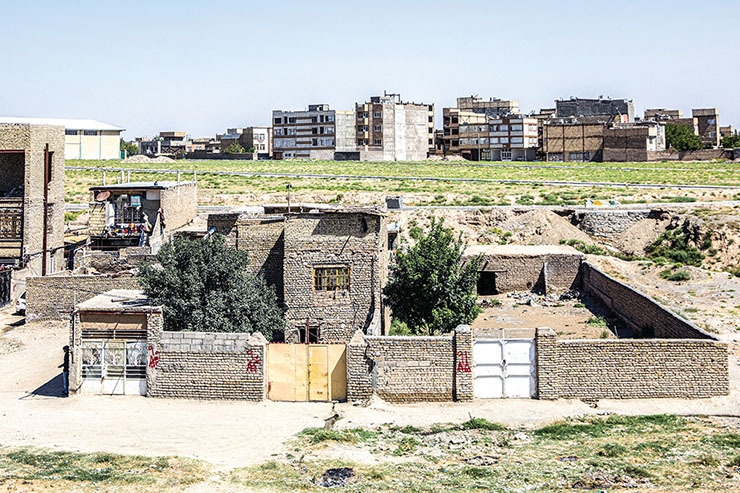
(65, 371)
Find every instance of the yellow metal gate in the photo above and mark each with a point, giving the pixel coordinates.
(306, 372)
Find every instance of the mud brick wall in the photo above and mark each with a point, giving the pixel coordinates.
(52, 297)
(410, 369)
(263, 239)
(206, 365)
(518, 272)
(179, 205)
(630, 368)
(334, 239)
(636, 309)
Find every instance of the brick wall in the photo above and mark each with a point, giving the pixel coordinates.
(179, 205)
(630, 368)
(263, 238)
(410, 369)
(206, 365)
(334, 239)
(636, 309)
(52, 297)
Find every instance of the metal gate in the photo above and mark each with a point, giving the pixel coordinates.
(504, 367)
(114, 367)
(306, 372)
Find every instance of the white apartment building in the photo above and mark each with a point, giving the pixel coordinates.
(312, 134)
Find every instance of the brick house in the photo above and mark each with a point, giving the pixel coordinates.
(328, 266)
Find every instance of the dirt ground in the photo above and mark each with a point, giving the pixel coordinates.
(577, 318)
(234, 434)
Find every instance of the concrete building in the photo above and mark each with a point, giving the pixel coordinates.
(471, 110)
(170, 142)
(83, 139)
(312, 134)
(625, 142)
(390, 130)
(708, 125)
(257, 138)
(572, 140)
(672, 116)
(31, 204)
(610, 110)
(512, 138)
(328, 265)
(139, 213)
(727, 131)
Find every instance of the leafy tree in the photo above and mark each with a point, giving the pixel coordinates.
(681, 137)
(731, 141)
(130, 148)
(252, 150)
(234, 148)
(429, 289)
(203, 286)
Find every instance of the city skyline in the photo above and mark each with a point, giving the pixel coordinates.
(176, 66)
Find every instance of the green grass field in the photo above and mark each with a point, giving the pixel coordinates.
(439, 192)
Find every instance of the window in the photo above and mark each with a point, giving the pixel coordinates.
(321, 118)
(314, 142)
(463, 142)
(494, 128)
(331, 278)
(314, 119)
(504, 128)
(517, 140)
(376, 114)
(516, 127)
(278, 121)
(376, 128)
(291, 120)
(90, 132)
(329, 118)
(330, 130)
(377, 142)
(711, 121)
(70, 132)
(504, 140)
(278, 131)
(494, 140)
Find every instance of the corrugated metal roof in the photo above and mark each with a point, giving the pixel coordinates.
(68, 123)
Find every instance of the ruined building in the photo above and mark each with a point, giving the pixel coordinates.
(328, 266)
(31, 203)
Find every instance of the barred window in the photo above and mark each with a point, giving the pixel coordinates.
(330, 278)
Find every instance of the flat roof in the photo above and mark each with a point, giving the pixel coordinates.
(475, 250)
(142, 185)
(68, 123)
(117, 300)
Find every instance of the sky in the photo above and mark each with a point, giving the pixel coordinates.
(201, 67)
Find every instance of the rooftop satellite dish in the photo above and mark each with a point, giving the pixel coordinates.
(102, 196)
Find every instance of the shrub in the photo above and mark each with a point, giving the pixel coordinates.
(482, 424)
(673, 245)
(679, 275)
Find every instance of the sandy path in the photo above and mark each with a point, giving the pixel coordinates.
(234, 434)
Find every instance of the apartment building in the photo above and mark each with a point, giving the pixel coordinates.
(472, 110)
(387, 129)
(672, 116)
(312, 134)
(708, 125)
(601, 108)
(626, 142)
(512, 138)
(573, 140)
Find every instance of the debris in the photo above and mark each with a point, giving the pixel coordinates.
(335, 477)
(568, 458)
(523, 437)
(482, 460)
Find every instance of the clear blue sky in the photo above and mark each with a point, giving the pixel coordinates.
(203, 66)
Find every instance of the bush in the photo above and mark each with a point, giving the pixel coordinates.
(482, 424)
(673, 245)
(679, 275)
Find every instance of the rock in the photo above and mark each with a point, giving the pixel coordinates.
(523, 437)
(335, 477)
(482, 460)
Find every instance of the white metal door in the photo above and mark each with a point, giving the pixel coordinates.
(503, 368)
(114, 367)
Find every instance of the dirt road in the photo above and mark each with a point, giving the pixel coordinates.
(231, 434)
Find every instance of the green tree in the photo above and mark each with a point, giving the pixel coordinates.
(731, 141)
(130, 148)
(203, 286)
(429, 288)
(234, 148)
(681, 137)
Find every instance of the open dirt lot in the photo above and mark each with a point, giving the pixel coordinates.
(234, 434)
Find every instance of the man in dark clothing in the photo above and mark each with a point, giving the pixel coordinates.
(65, 371)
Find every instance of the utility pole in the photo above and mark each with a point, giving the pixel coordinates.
(288, 187)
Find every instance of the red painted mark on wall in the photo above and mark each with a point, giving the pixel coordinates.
(253, 363)
(463, 363)
(153, 357)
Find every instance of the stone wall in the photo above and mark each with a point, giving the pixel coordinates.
(630, 368)
(206, 365)
(608, 223)
(410, 369)
(96, 261)
(52, 297)
(640, 312)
